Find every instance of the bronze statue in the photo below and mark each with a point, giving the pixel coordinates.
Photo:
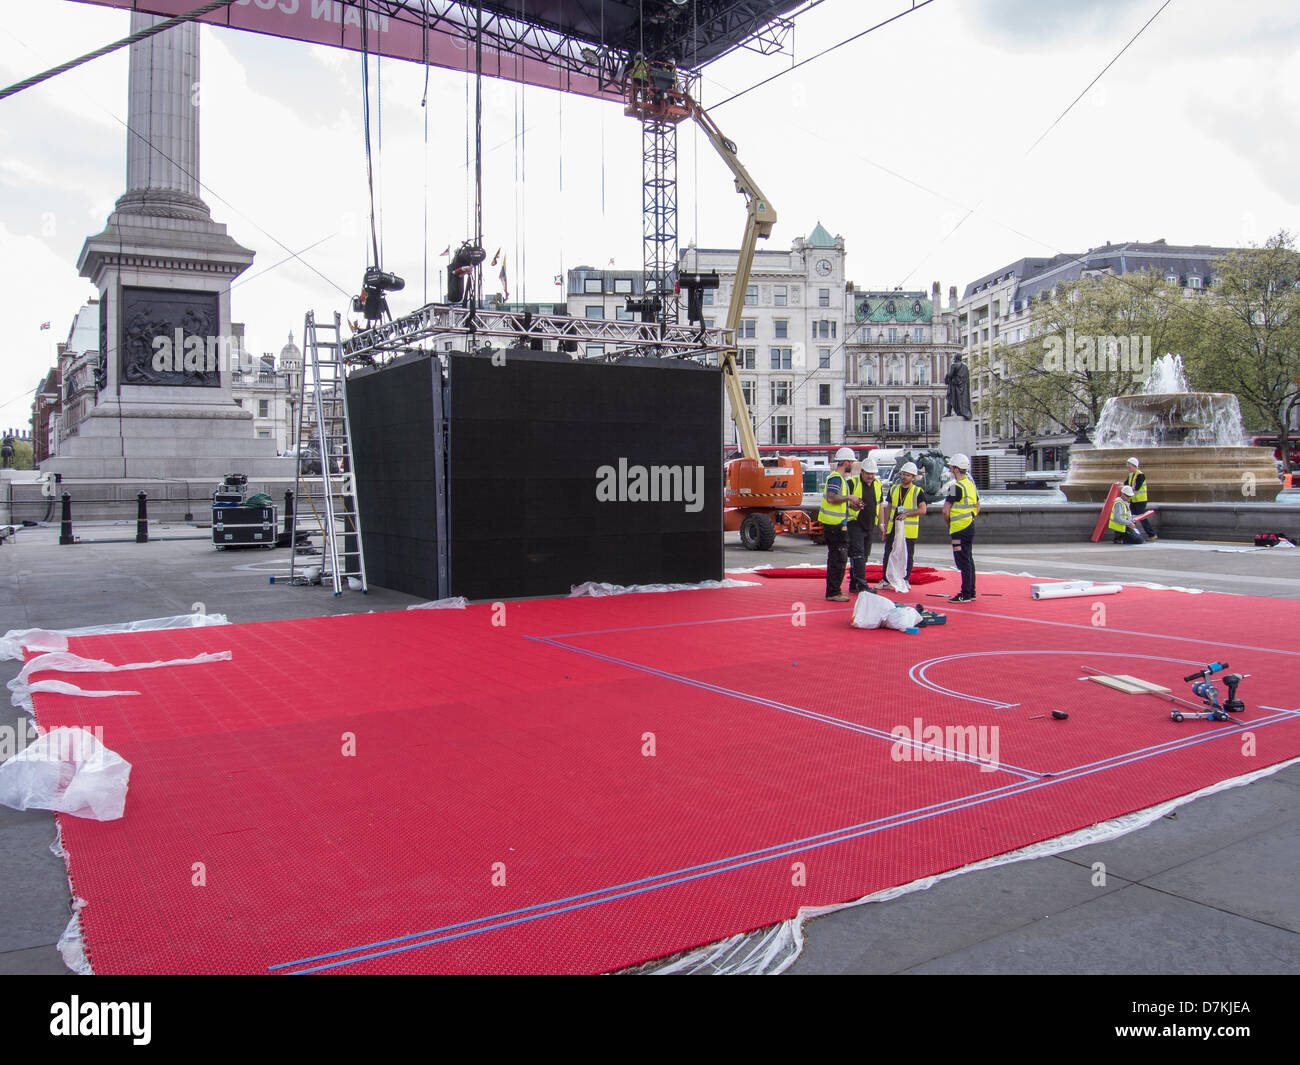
(958, 382)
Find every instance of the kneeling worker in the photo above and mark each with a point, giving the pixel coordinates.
(1121, 519)
(959, 511)
(867, 488)
(837, 501)
(1138, 480)
(905, 503)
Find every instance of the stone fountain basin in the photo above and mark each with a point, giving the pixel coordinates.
(1176, 474)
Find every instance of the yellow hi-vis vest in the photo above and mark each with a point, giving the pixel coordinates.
(866, 514)
(909, 500)
(960, 515)
(835, 513)
(1139, 490)
(1120, 514)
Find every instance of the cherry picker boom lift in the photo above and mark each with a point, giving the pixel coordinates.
(759, 500)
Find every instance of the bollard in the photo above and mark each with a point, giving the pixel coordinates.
(142, 519)
(65, 527)
(288, 517)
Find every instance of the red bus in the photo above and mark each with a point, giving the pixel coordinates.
(1293, 446)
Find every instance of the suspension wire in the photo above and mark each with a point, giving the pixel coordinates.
(379, 130)
(365, 120)
(139, 35)
(424, 106)
(916, 6)
(478, 148)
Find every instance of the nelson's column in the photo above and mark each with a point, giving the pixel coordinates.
(163, 269)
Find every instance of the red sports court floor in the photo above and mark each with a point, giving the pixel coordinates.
(597, 782)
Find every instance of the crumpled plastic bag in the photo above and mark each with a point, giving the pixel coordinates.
(69, 771)
(902, 618)
(896, 563)
(870, 610)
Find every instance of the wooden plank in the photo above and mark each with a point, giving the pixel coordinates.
(1130, 685)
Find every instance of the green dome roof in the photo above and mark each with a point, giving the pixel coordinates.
(819, 238)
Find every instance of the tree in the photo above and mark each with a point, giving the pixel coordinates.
(1089, 340)
(1249, 335)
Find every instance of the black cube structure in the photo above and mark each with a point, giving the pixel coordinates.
(546, 472)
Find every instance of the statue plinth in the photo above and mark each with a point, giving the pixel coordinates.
(956, 436)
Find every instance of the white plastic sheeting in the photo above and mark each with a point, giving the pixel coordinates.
(872, 611)
(596, 588)
(71, 946)
(66, 662)
(896, 563)
(458, 602)
(69, 771)
(772, 950)
(13, 641)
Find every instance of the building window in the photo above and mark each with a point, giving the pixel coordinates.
(595, 312)
(592, 284)
(869, 419)
(778, 295)
(1193, 281)
(893, 418)
(895, 370)
(824, 329)
(595, 351)
(823, 358)
(264, 434)
(893, 336)
(823, 395)
(708, 297)
(263, 408)
(622, 314)
(823, 430)
(867, 371)
(781, 328)
(921, 420)
(623, 286)
(781, 390)
(782, 358)
(751, 296)
(823, 297)
(748, 328)
(921, 372)
(748, 358)
(747, 390)
(781, 429)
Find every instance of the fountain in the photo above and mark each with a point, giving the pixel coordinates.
(1190, 444)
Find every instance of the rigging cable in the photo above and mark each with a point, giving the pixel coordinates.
(365, 119)
(478, 148)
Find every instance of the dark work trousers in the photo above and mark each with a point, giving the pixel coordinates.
(1129, 536)
(837, 555)
(889, 547)
(961, 554)
(859, 548)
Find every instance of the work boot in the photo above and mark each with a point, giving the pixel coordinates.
(838, 597)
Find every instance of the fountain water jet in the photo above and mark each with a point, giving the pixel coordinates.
(1191, 446)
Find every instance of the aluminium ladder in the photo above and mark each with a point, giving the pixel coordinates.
(323, 425)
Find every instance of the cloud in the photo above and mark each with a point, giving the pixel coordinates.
(1046, 21)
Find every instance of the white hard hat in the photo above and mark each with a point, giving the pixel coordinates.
(845, 454)
(1127, 490)
(962, 462)
(909, 467)
(1134, 462)
(869, 465)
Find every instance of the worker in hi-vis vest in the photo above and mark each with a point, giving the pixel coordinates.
(905, 503)
(1137, 480)
(865, 487)
(959, 511)
(1121, 521)
(834, 517)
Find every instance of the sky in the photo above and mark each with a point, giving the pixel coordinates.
(921, 143)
